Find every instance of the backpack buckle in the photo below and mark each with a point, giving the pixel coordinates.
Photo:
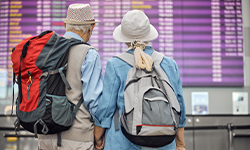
(146, 71)
(45, 129)
(44, 74)
(17, 125)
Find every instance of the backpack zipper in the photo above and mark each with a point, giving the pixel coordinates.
(159, 111)
(50, 51)
(29, 83)
(130, 82)
(157, 83)
(149, 104)
(152, 82)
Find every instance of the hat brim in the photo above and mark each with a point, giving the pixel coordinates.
(118, 36)
(79, 22)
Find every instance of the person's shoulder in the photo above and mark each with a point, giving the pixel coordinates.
(85, 45)
(168, 61)
(117, 62)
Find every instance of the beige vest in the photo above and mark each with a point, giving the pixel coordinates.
(82, 128)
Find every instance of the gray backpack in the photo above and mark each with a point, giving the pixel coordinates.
(152, 112)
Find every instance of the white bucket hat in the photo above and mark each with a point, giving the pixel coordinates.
(79, 14)
(135, 25)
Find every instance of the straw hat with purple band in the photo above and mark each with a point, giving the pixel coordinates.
(80, 14)
(135, 25)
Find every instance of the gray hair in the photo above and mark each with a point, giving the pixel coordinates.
(84, 28)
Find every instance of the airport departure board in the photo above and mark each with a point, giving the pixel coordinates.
(204, 37)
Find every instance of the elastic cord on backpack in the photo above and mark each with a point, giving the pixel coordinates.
(45, 129)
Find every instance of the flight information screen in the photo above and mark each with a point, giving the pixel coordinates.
(204, 37)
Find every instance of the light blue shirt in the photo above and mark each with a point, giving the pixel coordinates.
(113, 96)
(91, 77)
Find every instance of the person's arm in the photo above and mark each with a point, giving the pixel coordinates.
(92, 80)
(99, 138)
(107, 104)
(108, 100)
(179, 139)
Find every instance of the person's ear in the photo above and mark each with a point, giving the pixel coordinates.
(65, 26)
(92, 28)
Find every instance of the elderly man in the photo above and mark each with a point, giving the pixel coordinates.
(85, 77)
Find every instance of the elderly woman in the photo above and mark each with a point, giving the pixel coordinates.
(134, 26)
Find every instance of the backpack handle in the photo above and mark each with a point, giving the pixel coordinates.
(43, 33)
(25, 47)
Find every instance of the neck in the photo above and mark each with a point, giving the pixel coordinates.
(84, 36)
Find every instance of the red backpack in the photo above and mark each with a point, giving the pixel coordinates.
(40, 63)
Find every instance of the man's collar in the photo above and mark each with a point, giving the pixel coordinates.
(74, 35)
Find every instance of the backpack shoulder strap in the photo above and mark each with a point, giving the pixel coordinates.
(71, 42)
(157, 57)
(127, 57)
